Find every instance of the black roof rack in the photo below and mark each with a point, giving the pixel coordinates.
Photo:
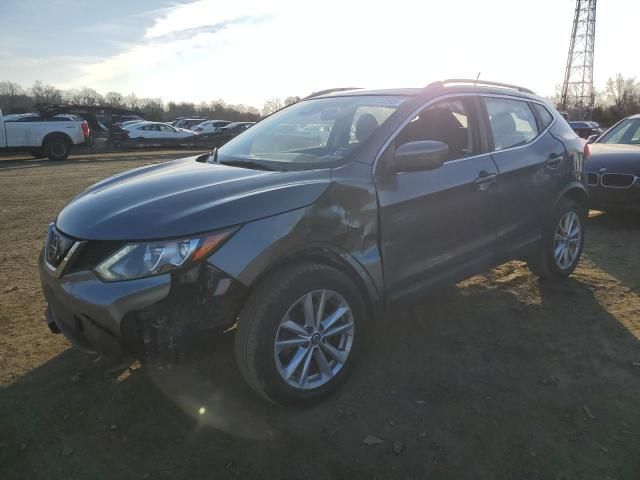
(479, 82)
(330, 90)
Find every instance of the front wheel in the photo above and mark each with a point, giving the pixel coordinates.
(562, 242)
(300, 333)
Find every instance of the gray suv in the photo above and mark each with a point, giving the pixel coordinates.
(306, 227)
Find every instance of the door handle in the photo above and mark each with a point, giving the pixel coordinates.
(485, 180)
(554, 160)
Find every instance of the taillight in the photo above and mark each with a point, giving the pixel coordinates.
(587, 152)
(85, 129)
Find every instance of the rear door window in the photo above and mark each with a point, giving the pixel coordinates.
(512, 122)
(545, 117)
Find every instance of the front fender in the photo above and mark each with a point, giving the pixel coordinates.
(261, 246)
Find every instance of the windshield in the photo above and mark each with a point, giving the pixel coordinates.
(313, 133)
(627, 132)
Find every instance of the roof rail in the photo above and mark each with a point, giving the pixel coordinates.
(330, 90)
(479, 82)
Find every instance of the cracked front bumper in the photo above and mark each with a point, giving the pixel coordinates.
(89, 312)
(109, 317)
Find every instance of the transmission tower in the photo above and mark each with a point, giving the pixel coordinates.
(578, 94)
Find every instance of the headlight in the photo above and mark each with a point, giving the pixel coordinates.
(139, 260)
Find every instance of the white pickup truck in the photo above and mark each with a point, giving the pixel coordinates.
(51, 137)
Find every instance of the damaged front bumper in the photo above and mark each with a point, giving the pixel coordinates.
(138, 316)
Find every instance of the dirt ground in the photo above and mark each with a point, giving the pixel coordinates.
(501, 376)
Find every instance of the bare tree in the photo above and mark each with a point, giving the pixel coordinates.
(42, 93)
(272, 105)
(291, 99)
(114, 99)
(11, 89)
(83, 96)
(131, 101)
(153, 108)
(13, 98)
(623, 94)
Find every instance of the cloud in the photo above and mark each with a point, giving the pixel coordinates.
(202, 13)
(188, 33)
(251, 50)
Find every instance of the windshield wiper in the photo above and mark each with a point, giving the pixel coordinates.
(256, 165)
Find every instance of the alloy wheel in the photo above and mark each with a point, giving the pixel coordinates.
(567, 239)
(314, 339)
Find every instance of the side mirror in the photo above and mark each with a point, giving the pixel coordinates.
(421, 155)
(592, 138)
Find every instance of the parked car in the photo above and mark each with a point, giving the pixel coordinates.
(586, 129)
(303, 248)
(189, 123)
(210, 126)
(236, 128)
(52, 137)
(156, 130)
(614, 167)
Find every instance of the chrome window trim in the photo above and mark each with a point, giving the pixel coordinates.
(430, 102)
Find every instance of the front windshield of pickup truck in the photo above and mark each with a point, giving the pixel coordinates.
(312, 133)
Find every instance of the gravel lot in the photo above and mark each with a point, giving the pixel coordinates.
(501, 376)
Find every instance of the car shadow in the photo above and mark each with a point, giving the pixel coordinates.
(503, 376)
(617, 254)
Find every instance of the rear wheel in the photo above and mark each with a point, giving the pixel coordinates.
(300, 334)
(562, 243)
(57, 148)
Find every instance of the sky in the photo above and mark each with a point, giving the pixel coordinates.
(245, 51)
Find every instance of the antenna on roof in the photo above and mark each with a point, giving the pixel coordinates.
(477, 77)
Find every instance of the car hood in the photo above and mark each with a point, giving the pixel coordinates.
(185, 197)
(615, 158)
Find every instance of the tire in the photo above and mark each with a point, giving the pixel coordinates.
(544, 262)
(57, 147)
(285, 292)
(36, 153)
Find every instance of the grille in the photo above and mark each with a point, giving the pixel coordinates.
(592, 179)
(93, 253)
(57, 246)
(617, 180)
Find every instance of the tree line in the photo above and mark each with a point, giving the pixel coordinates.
(619, 99)
(16, 99)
